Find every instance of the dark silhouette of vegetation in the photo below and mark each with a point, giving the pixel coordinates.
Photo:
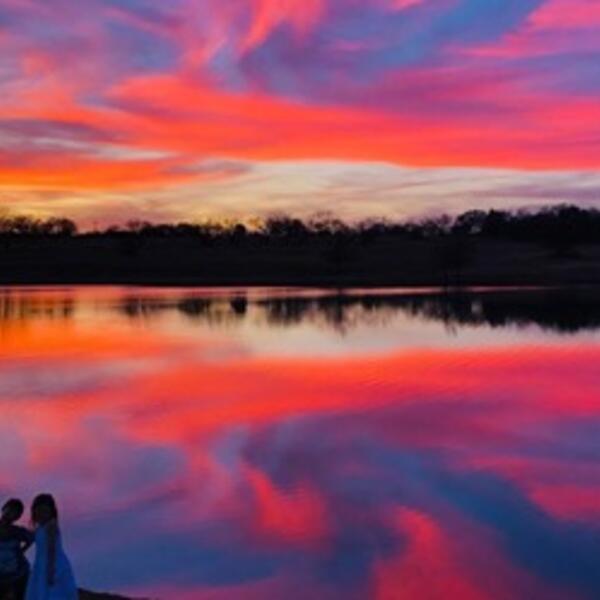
(24, 226)
(558, 244)
(554, 225)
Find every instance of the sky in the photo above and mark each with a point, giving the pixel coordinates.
(113, 110)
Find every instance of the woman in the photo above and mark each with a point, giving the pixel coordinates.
(51, 577)
(14, 541)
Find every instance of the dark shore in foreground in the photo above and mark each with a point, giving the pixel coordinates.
(85, 595)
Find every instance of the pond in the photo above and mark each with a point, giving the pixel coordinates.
(310, 444)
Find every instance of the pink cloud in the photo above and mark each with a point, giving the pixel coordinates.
(466, 566)
(404, 4)
(557, 26)
(302, 15)
(566, 14)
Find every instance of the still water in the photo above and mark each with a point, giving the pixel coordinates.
(298, 444)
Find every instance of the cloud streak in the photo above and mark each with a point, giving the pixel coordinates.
(448, 84)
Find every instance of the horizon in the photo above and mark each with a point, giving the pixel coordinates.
(113, 111)
(257, 223)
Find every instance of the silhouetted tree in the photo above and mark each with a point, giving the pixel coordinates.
(470, 223)
(560, 227)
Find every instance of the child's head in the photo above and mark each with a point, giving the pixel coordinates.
(12, 510)
(43, 509)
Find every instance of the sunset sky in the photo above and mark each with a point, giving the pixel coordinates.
(185, 109)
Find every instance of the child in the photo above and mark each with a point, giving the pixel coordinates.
(14, 541)
(51, 577)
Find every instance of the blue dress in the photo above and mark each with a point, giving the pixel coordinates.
(64, 587)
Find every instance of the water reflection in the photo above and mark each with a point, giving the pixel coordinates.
(31, 306)
(565, 311)
(559, 310)
(447, 447)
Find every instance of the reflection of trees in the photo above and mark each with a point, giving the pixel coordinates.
(340, 312)
(561, 311)
(558, 310)
(145, 307)
(195, 308)
(140, 308)
(21, 307)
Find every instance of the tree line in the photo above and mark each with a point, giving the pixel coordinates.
(556, 225)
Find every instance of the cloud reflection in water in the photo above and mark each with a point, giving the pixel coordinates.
(201, 450)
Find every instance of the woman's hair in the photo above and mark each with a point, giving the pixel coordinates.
(15, 506)
(47, 501)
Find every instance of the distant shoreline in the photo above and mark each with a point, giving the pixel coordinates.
(555, 246)
(404, 264)
(329, 285)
